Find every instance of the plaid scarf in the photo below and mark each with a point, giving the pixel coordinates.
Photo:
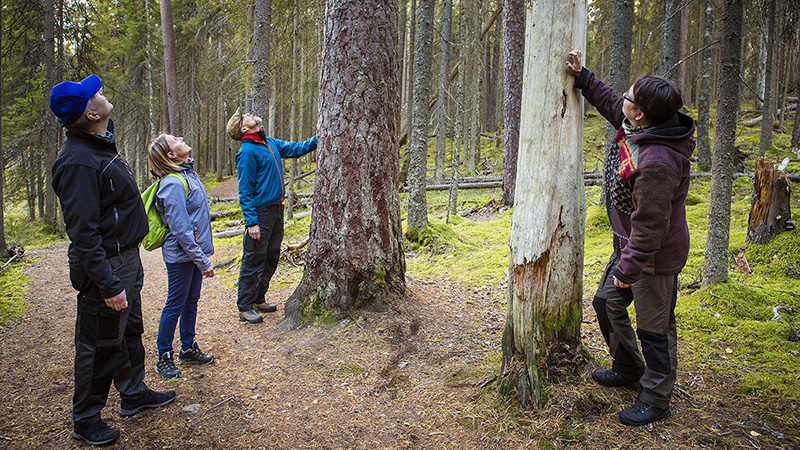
(620, 161)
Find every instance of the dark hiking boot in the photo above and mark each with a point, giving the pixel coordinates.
(166, 367)
(265, 308)
(195, 356)
(249, 316)
(97, 433)
(610, 378)
(640, 413)
(151, 399)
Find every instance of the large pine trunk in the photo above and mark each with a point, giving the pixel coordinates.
(715, 264)
(513, 56)
(541, 340)
(355, 256)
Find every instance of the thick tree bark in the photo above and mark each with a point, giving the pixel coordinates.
(513, 54)
(769, 111)
(715, 265)
(293, 116)
(261, 27)
(417, 201)
(541, 340)
(703, 116)
(441, 106)
(170, 70)
(771, 209)
(355, 257)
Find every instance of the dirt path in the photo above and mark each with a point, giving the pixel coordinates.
(392, 380)
(409, 378)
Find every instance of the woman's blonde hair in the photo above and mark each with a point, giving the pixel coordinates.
(161, 164)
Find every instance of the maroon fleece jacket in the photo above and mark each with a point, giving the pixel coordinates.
(654, 238)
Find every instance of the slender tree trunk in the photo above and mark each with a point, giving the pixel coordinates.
(703, 116)
(715, 266)
(796, 129)
(441, 105)
(541, 341)
(620, 67)
(170, 69)
(293, 116)
(409, 88)
(459, 134)
(355, 256)
(3, 245)
(51, 129)
(513, 55)
(477, 82)
(417, 174)
(768, 121)
(671, 40)
(261, 46)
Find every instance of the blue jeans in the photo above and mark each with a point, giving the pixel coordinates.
(184, 281)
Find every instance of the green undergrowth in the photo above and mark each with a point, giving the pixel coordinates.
(13, 284)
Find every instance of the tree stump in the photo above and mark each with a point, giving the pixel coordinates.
(770, 210)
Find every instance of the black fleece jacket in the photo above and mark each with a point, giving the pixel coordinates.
(100, 200)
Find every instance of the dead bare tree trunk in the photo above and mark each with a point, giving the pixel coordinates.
(771, 209)
(355, 257)
(541, 340)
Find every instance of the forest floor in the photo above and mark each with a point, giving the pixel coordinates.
(417, 376)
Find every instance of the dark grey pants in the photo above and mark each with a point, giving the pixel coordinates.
(108, 343)
(260, 257)
(654, 298)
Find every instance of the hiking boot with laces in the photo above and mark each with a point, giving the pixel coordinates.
(250, 316)
(151, 399)
(97, 433)
(640, 413)
(611, 378)
(195, 356)
(166, 367)
(264, 307)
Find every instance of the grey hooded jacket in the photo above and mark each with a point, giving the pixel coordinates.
(188, 219)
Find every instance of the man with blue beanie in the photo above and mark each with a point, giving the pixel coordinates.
(105, 222)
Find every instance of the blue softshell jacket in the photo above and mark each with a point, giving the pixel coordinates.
(261, 171)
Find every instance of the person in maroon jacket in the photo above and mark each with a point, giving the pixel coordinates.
(646, 179)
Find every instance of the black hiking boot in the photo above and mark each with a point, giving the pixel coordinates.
(151, 399)
(640, 413)
(97, 433)
(610, 378)
(166, 367)
(195, 356)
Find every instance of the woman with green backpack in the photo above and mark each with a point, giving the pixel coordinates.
(183, 206)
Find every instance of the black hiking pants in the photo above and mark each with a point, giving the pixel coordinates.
(260, 257)
(653, 298)
(108, 343)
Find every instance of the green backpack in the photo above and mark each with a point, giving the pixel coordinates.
(158, 231)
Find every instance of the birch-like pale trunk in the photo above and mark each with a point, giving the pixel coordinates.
(541, 340)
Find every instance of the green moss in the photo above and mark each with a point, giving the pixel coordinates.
(13, 284)
(313, 312)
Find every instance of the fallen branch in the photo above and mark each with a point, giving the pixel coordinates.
(225, 263)
(777, 315)
(218, 214)
(227, 233)
(213, 200)
(751, 122)
(217, 404)
(13, 258)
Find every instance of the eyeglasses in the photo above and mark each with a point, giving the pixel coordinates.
(624, 96)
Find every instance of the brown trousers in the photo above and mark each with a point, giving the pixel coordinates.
(653, 298)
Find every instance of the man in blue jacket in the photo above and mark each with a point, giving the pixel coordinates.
(105, 222)
(261, 194)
